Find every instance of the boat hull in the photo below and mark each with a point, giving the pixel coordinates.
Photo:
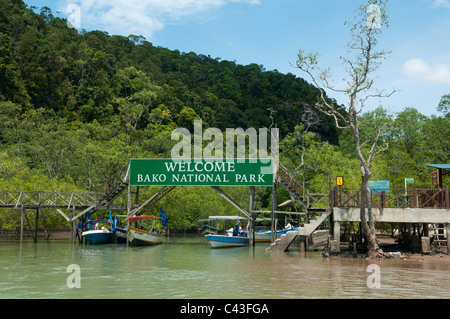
(120, 235)
(208, 230)
(222, 241)
(140, 237)
(95, 237)
(266, 236)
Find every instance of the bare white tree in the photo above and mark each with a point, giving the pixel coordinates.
(361, 62)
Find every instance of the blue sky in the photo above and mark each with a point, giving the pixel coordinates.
(271, 32)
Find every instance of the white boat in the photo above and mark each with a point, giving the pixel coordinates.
(207, 229)
(95, 236)
(223, 241)
(262, 236)
(265, 236)
(139, 236)
(99, 236)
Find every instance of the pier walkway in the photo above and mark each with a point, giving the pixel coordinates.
(428, 207)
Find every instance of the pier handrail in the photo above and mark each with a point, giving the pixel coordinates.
(287, 178)
(415, 197)
(115, 180)
(52, 199)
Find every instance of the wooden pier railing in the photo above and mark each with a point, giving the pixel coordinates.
(414, 197)
(40, 199)
(291, 185)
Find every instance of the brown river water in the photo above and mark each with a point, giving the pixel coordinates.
(188, 268)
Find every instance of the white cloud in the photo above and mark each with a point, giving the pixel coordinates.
(141, 17)
(417, 68)
(441, 3)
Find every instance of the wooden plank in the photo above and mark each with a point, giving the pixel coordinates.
(162, 192)
(83, 212)
(231, 201)
(64, 215)
(276, 212)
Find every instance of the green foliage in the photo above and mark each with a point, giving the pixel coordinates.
(444, 105)
(74, 107)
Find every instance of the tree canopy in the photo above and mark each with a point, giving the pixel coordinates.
(76, 106)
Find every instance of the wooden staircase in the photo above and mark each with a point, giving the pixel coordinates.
(282, 244)
(113, 193)
(115, 185)
(292, 186)
(439, 238)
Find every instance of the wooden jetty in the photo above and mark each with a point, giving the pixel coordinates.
(426, 207)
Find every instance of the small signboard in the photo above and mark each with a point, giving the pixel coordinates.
(379, 186)
(409, 180)
(435, 178)
(201, 172)
(340, 180)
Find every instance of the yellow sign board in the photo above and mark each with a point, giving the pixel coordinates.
(340, 180)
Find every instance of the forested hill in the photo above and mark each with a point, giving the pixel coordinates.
(93, 77)
(75, 107)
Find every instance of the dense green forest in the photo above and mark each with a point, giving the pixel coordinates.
(76, 106)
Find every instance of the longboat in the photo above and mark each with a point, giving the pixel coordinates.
(223, 241)
(227, 240)
(96, 236)
(265, 236)
(139, 236)
(119, 233)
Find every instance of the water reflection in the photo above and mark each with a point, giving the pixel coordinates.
(189, 268)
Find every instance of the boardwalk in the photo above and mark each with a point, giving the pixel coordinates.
(411, 206)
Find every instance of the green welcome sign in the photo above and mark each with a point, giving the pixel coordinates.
(201, 172)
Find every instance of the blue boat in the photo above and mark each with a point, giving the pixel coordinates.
(121, 235)
(265, 236)
(223, 241)
(207, 230)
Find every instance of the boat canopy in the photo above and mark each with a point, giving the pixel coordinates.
(231, 218)
(97, 221)
(134, 219)
(227, 218)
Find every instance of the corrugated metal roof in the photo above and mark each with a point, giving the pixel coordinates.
(441, 166)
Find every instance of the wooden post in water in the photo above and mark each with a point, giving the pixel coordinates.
(21, 224)
(128, 207)
(252, 213)
(73, 227)
(36, 230)
(447, 226)
(274, 206)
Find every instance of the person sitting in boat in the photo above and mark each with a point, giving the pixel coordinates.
(236, 231)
